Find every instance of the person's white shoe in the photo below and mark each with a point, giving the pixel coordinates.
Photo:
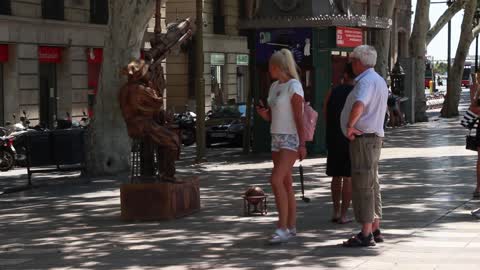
(280, 236)
(476, 213)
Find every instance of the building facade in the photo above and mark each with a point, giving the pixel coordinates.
(51, 54)
(50, 57)
(400, 28)
(225, 56)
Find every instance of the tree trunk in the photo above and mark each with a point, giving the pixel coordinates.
(417, 52)
(444, 19)
(383, 38)
(108, 145)
(454, 88)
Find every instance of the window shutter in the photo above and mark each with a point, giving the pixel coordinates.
(53, 9)
(99, 11)
(219, 17)
(5, 7)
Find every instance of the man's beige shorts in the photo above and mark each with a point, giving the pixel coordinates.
(366, 197)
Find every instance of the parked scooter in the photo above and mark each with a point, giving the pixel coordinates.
(7, 154)
(186, 123)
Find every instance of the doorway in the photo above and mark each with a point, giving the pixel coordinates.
(2, 98)
(48, 94)
(339, 60)
(242, 83)
(217, 85)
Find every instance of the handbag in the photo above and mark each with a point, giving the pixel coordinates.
(471, 141)
(310, 117)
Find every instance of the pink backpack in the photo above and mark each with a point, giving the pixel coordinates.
(310, 117)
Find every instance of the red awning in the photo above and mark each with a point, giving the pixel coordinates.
(95, 55)
(3, 53)
(49, 54)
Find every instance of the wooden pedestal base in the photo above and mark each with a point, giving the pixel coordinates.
(160, 201)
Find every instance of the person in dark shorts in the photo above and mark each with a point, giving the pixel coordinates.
(475, 108)
(338, 159)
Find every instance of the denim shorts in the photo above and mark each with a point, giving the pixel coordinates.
(285, 141)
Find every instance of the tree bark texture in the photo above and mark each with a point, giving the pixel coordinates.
(108, 145)
(454, 88)
(417, 52)
(383, 38)
(444, 19)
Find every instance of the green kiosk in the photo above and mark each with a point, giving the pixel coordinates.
(320, 44)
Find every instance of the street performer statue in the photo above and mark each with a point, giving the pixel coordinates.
(141, 98)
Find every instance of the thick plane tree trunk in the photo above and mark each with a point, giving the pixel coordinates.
(108, 145)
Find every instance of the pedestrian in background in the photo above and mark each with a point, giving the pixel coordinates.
(362, 121)
(475, 108)
(338, 158)
(285, 112)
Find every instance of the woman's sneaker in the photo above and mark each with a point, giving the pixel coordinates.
(292, 232)
(280, 236)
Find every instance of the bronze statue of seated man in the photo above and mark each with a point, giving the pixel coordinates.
(146, 119)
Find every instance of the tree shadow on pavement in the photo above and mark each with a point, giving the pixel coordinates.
(78, 225)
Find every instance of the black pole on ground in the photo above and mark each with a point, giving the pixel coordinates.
(476, 55)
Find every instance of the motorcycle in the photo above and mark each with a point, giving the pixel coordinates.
(7, 154)
(18, 134)
(186, 124)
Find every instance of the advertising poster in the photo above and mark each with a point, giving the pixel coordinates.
(297, 40)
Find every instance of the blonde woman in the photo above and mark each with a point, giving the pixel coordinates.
(285, 112)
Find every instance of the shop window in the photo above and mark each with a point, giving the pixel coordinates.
(242, 12)
(5, 7)
(53, 9)
(99, 11)
(219, 17)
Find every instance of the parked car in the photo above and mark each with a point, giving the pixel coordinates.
(226, 124)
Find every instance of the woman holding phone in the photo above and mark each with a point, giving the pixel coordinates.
(285, 112)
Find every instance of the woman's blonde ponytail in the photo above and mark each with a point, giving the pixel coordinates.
(284, 60)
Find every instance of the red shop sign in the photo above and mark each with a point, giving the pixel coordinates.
(95, 55)
(349, 37)
(49, 54)
(3, 53)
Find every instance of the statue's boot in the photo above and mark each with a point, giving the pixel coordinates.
(166, 163)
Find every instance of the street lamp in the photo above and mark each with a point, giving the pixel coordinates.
(477, 21)
(449, 57)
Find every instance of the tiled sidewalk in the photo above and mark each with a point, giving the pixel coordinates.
(427, 180)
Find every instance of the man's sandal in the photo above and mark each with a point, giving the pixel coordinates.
(378, 237)
(360, 241)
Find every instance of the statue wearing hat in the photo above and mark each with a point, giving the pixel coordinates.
(145, 117)
(141, 99)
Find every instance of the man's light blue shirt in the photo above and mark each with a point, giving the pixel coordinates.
(372, 90)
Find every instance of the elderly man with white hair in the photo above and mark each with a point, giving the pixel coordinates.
(362, 122)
